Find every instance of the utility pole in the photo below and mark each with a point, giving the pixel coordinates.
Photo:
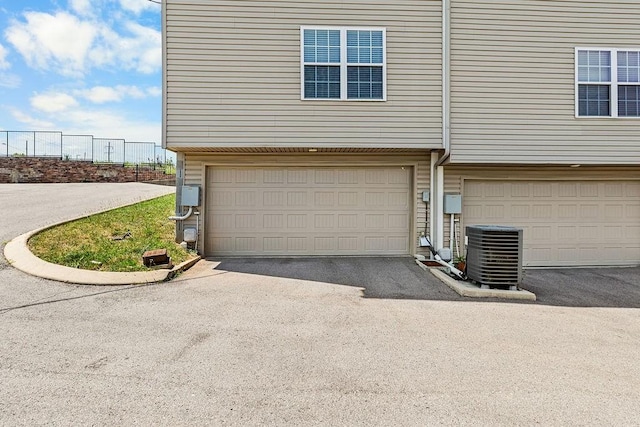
(109, 152)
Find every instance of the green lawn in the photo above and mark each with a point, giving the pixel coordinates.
(88, 243)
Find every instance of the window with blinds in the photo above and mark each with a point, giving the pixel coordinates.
(343, 63)
(607, 82)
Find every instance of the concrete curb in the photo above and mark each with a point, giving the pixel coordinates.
(18, 255)
(466, 289)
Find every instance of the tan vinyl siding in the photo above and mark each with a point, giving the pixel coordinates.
(455, 175)
(512, 81)
(233, 75)
(196, 164)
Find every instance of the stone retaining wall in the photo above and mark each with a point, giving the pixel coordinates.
(49, 170)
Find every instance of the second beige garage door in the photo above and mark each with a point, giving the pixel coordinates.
(566, 223)
(308, 211)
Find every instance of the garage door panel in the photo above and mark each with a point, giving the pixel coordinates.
(223, 244)
(398, 221)
(318, 211)
(273, 199)
(218, 176)
(324, 221)
(541, 190)
(520, 190)
(615, 232)
(273, 243)
(246, 176)
(589, 190)
(567, 189)
(347, 221)
(632, 211)
(614, 212)
(614, 190)
(347, 244)
(220, 198)
(397, 244)
(632, 191)
(274, 176)
(297, 244)
(324, 198)
(633, 232)
(564, 223)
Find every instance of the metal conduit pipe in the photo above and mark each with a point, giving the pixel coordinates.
(183, 217)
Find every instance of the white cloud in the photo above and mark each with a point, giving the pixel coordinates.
(110, 124)
(142, 51)
(4, 64)
(71, 46)
(139, 6)
(60, 42)
(53, 102)
(104, 94)
(154, 91)
(101, 94)
(31, 122)
(81, 7)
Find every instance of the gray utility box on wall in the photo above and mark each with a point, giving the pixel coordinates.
(452, 204)
(494, 255)
(190, 195)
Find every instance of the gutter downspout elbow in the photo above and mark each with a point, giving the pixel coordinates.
(183, 217)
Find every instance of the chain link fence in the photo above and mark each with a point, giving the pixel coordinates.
(84, 148)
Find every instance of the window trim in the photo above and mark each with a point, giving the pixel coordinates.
(343, 62)
(613, 83)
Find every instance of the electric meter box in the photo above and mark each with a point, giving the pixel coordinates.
(190, 195)
(190, 235)
(452, 204)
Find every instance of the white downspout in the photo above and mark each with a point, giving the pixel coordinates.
(446, 81)
(446, 123)
(439, 237)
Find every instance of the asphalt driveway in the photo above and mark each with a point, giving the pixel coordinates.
(234, 343)
(585, 287)
(401, 278)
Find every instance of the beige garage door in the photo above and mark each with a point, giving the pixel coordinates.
(308, 211)
(566, 223)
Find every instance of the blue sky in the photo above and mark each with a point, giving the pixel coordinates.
(81, 67)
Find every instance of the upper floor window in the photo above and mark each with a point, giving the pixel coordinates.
(343, 63)
(607, 82)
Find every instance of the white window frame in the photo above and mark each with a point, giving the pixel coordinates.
(343, 63)
(613, 83)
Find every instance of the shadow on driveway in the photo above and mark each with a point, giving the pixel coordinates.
(389, 278)
(401, 278)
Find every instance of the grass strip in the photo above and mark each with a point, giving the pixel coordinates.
(92, 243)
